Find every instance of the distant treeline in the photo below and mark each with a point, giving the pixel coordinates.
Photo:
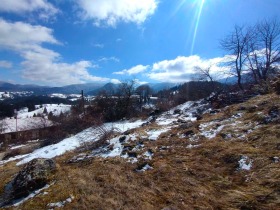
(192, 91)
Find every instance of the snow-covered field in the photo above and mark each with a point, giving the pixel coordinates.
(71, 97)
(30, 120)
(56, 109)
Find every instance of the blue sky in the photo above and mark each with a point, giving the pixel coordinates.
(62, 42)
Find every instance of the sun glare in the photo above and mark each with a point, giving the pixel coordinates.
(197, 5)
(197, 19)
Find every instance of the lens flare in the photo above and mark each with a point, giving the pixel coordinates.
(196, 6)
(197, 19)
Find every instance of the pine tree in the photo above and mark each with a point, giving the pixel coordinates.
(45, 111)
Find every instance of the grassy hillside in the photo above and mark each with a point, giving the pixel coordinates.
(229, 159)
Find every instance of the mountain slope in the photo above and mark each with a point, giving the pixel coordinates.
(110, 89)
(228, 159)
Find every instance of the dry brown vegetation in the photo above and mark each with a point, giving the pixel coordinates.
(206, 176)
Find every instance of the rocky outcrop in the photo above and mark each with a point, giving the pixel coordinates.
(35, 175)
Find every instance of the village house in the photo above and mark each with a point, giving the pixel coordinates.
(24, 129)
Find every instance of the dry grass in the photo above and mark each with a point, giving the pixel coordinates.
(203, 177)
(6, 174)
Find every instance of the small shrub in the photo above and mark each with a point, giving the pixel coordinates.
(101, 142)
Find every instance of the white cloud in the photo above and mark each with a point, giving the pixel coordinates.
(41, 64)
(134, 70)
(97, 45)
(139, 82)
(115, 81)
(182, 69)
(59, 73)
(20, 36)
(106, 59)
(43, 7)
(110, 12)
(6, 64)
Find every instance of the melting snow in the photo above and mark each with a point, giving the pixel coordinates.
(88, 135)
(18, 146)
(61, 203)
(145, 168)
(212, 132)
(245, 163)
(18, 157)
(154, 134)
(117, 148)
(31, 195)
(187, 111)
(211, 129)
(148, 154)
(165, 121)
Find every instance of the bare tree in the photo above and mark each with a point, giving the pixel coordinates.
(236, 44)
(125, 92)
(264, 49)
(204, 74)
(127, 88)
(144, 92)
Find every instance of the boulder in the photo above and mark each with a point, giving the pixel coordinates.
(177, 111)
(189, 133)
(33, 176)
(186, 125)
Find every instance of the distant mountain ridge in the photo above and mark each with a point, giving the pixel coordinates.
(88, 88)
(110, 88)
(42, 90)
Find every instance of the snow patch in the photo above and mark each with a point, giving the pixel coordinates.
(154, 134)
(88, 135)
(18, 157)
(61, 203)
(146, 167)
(17, 146)
(117, 148)
(148, 154)
(245, 163)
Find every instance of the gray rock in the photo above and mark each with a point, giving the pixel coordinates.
(189, 133)
(177, 111)
(33, 176)
(186, 125)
